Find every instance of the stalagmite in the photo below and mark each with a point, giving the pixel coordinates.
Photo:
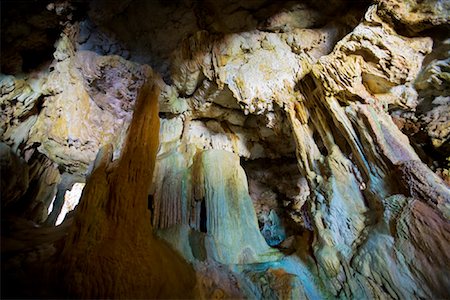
(111, 251)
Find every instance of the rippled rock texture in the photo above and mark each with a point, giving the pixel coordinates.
(287, 149)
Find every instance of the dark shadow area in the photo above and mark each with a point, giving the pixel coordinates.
(276, 187)
(29, 30)
(203, 217)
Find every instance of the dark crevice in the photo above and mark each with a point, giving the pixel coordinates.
(33, 59)
(38, 105)
(319, 142)
(203, 217)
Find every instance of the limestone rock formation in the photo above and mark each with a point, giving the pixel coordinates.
(113, 215)
(224, 213)
(276, 149)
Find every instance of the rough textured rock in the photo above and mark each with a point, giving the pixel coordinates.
(395, 239)
(84, 103)
(91, 107)
(303, 148)
(27, 188)
(415, 16)
(241, 61)
(14, 184)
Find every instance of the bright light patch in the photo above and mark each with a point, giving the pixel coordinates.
(71, 199)
(50, 207)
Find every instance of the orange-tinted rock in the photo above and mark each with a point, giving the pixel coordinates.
(111, 251)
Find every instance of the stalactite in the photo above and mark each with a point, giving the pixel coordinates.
(170, 191)
(233, 236)
(350, 185)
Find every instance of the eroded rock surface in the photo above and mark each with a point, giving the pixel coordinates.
(303, 148)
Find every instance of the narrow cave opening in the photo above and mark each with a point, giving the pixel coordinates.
(71, 200)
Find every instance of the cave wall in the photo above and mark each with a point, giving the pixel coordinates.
(303, 146)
